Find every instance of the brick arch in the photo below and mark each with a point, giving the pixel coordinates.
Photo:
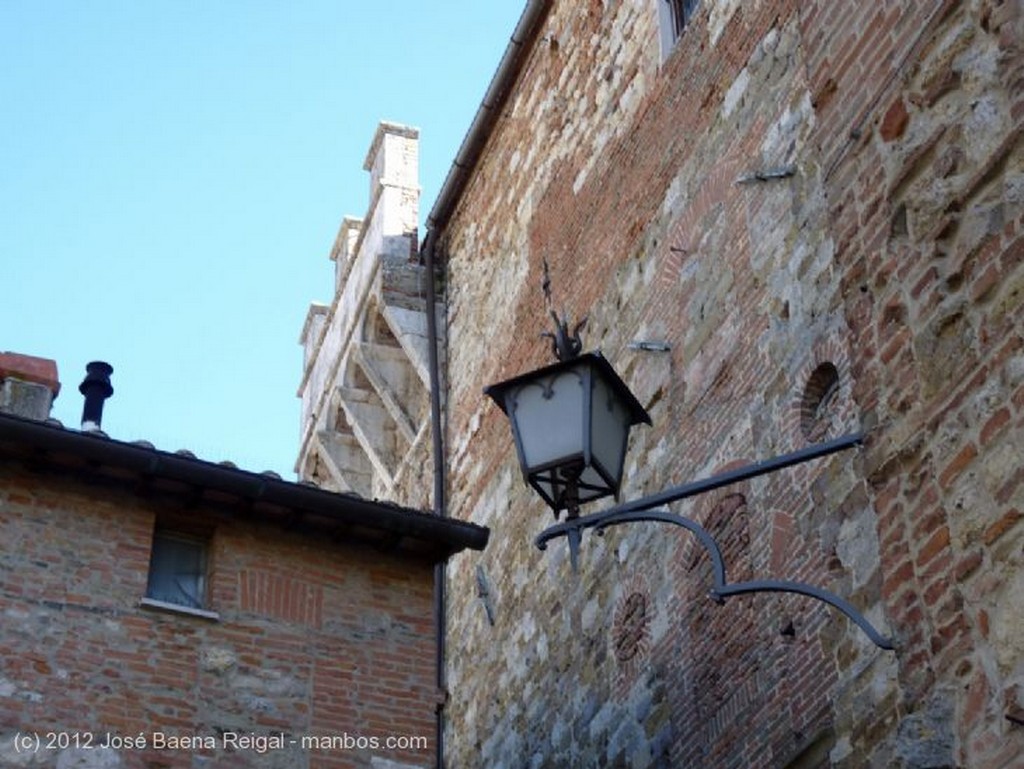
(726, 515)
(629, 636)
(833, 348)
(782, 541)
(680, 243)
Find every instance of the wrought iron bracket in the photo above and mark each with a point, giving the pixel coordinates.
(642, 510)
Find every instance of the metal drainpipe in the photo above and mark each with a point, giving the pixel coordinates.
(487, 115)
(433, 364)
(440, 509)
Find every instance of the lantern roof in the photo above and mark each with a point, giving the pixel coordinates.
(638, 413)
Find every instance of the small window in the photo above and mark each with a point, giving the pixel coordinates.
(177, 570)
(820, 404)
(673, 18)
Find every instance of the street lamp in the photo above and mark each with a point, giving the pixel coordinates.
(570, 424)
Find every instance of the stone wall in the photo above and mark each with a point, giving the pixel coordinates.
(817, 205)
(925, 197)
(313, 639)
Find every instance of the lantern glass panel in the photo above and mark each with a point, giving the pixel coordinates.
(570, 422)
(593, 485)
(548, 418)
(610, 422)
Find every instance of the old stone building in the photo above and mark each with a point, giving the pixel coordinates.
(365, 384)
(814, 211)
(817, 206)
(158, 610)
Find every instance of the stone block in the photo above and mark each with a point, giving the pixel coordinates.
(926, 737)
(29, 400)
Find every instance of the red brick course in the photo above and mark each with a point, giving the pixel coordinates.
(30, 368)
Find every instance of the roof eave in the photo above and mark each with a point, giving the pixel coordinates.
(444, 536)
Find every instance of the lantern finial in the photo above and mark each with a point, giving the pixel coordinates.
(565, 345)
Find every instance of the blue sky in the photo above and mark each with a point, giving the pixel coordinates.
(173, 174)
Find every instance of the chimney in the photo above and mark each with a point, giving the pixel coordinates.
(96, 389)
(28, 385)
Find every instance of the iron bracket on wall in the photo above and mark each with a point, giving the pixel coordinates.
(768, 175)
(643, 510)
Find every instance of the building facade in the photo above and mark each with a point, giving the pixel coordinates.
(784, 222)
(817, 208)
(163, 611)
(365, 383)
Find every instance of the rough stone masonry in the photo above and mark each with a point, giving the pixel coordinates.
(818, 206)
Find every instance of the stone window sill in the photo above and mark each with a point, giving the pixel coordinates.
(174, 608)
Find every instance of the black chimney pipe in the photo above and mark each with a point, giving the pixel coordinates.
(96, 389)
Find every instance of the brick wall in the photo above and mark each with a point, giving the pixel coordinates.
(313, 638)
(925, 201)
(886, 251)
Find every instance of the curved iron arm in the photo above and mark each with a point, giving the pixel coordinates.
(785, 586)
(640, 510)
(702, 534)
(721, 589)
